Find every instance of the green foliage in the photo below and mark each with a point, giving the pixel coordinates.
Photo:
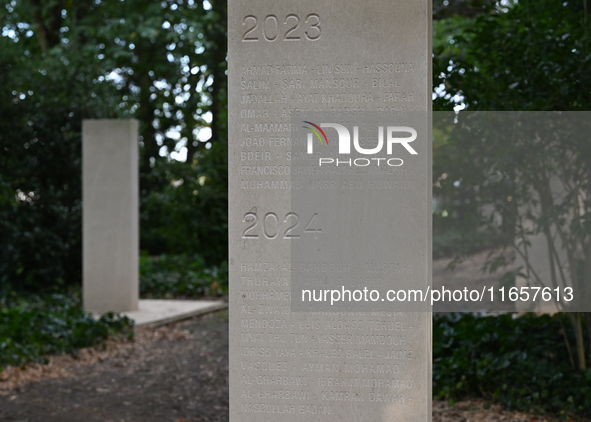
(512, 57)
(517, 176)
(36, 326)
(163, 63)
(188, 213)
(162, 56)
(515, 57)
(181, 276)
(42, 103)
(521, 363)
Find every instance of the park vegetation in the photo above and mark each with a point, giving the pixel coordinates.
(164, 63)
(515, 57)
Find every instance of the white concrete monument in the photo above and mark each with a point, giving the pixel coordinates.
(346, 58)
(110, 233)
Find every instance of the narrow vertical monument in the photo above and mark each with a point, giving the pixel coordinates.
(110, 215)
(316, 209)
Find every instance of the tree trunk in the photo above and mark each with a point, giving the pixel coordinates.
(577, 323)
(218, 88)
(48, 22)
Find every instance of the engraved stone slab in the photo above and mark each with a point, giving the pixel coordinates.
(110, 233)
(288, 61)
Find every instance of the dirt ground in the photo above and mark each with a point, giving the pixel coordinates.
(177, 373)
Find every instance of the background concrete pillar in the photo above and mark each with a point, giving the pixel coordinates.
(110, 233)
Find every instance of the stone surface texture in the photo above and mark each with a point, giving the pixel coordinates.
(157, 312)
(110, 233)
(286, 57)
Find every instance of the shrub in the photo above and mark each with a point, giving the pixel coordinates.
(181, 276)
(522, 363)
(36, 326)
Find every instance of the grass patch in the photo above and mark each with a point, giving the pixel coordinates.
(521, 363)
(34, 326)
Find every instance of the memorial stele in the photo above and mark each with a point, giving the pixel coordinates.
(110, 215)
(309, 56)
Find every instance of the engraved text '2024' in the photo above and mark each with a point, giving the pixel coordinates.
(271, 226)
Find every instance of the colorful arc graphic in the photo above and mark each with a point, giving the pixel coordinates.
(317, 134)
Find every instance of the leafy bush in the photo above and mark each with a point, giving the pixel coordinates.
(523, 363)
(35, 326)
(42, 104)
(185, 210)
(185, 276)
